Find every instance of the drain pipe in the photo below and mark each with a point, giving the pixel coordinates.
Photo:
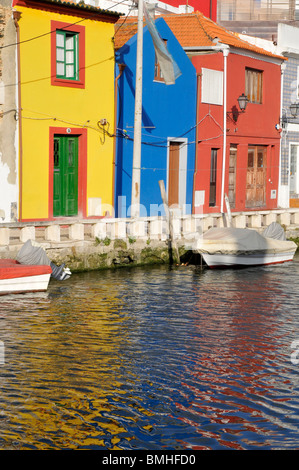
(225, 52)
(121, 68)
(16, 17)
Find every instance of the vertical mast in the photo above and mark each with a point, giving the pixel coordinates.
(135, 199)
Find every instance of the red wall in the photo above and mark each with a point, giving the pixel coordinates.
(207, 7)
(256, 126)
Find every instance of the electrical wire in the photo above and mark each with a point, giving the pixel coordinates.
(53, 31)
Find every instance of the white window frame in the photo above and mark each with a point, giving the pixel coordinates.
(296, 183)
(182, 170)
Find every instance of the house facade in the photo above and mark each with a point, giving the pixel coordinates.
(9, 188)
(238, 151)
(168, 124)
(66, 108)
(287, 45)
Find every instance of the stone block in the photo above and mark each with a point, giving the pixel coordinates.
(155, 229)
(137, 229)
(240, 221)
(120, 229)
(76, 232)
(27, 233)
(284, 218)
(4, 236)
(255, 220)
(98, 230)
(269, 218)
(53, 233)
(295, 218)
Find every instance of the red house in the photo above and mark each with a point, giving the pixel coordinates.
(207, 7)
(238, 151)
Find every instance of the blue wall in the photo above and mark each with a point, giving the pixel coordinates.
(169, 111)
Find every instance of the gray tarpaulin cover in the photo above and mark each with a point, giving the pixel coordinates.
(30, 254)
(276, 231)
(35, 255)
(239, 240)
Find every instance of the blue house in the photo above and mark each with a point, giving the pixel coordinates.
(168, 123)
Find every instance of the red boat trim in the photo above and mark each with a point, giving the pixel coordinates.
(11, 269)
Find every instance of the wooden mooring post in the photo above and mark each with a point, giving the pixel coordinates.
(171, 239)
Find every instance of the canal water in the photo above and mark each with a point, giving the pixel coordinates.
(153, 358)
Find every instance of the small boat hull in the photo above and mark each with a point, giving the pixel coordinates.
(235, 247)
(18, 278)
(220, 260)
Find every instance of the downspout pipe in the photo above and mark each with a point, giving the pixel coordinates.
(281, 197)
(196, 142)
(225, 52)
(16, 17)
(121, 68)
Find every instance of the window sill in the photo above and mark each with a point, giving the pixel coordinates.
(67, 83)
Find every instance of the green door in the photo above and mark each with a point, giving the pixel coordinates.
(65, 178)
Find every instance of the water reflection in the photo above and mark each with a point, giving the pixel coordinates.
(152, 358)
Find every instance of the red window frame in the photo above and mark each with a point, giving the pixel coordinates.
(80, 83)
(82, 167)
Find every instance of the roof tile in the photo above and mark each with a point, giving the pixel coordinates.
(191, 30)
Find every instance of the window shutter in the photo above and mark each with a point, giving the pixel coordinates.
(212, 86)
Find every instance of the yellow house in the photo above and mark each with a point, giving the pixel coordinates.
(66, 109)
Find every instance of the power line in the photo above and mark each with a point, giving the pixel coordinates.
(54, 30)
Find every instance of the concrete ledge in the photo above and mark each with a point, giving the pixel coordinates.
(91, 243)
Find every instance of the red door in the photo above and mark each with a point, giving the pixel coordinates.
(256, 177)
(174, 172)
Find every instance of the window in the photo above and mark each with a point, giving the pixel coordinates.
(254, 85)
(67, 59)
(67, 55)
(212, 86)
(213, 178)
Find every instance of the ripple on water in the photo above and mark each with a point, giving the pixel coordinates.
(152, 358)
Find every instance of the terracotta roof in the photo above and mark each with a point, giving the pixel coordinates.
(191, 30)
(125, 28)
(80, 5)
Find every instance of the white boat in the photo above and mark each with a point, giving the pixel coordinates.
(30, 271)
(233, 247)
(19, 278)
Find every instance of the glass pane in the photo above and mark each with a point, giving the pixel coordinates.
(56, 153)
(70, 57)
(293, 159)
(59, 68)
(60, 54)
(250, 158)
(260, 159)
(69, 71)
(59, 39)
(71, 152)
(69, 42)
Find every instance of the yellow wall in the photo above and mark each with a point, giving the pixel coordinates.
(72, 107)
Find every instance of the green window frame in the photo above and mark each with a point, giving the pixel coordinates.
(67, 55)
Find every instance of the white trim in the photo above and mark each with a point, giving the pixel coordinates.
(292, 127)
(297, 169)
(182, 170)
(238, 51)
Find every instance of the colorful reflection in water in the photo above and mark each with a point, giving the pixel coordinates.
(153, 358)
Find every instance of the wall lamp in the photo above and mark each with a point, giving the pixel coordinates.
(242, 101)
(294, 110)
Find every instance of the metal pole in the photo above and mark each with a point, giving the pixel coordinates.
(225, 54)
(135, 199)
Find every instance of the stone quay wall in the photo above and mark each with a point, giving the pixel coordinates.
(90, 244)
